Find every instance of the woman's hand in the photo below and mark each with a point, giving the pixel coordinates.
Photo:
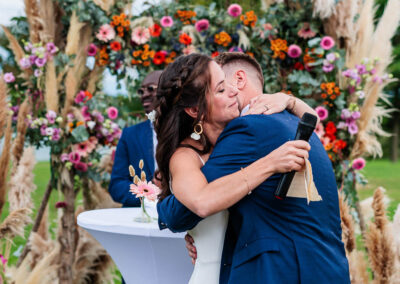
(289, 157)
(270, 103)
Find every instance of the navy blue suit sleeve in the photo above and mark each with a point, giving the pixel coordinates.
(120, 178)
(175, 216)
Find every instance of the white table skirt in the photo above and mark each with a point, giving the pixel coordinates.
(142, 252)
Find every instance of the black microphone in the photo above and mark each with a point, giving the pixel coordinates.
(304, 131)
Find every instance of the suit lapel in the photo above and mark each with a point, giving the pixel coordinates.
(147, 148)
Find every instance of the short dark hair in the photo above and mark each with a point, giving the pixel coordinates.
(241, 58)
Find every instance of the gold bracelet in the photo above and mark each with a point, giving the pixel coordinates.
(245, 179)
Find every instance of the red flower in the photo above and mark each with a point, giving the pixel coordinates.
(155, 30)
(159, 58)
(298, 66)
(185, 39)
(88, 95)
(340, 144)
(330, 128)
(214, 54)
(115, 45)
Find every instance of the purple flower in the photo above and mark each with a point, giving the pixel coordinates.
(70, 117)
(51, 116)
(331, 57)
(341, 125)
(345, 114)
(322, 112)
(74, 157)
(202, 25)
(234, 10)
(9, 77)
(294, 51)
(56, 134)
(112, 113)
(64, 157)
(361, 69)
(166, 21)
(361, 94)
(352, 128)
(40, 62)
(98, 116)
(235, 49)
(328, 68)
(80, 97)
(38, 73)
(43, 130)
(358, 164)
(25, 63)
(49, 131)
(28, 47)
(91, 50)
(51, 48)
(327, 42)
(355, 115)
(80, 166)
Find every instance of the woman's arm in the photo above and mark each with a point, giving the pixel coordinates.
(192, 189)
(274, 103)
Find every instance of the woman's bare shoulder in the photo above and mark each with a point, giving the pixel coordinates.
(185, 157)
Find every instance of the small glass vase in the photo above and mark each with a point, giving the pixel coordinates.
(144, 216)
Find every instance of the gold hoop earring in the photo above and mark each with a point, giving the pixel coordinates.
(197, 131)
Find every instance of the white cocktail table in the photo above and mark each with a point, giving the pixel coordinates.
(142, 252)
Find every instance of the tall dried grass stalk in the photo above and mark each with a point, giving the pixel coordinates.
(15, 223)
(101, 197)
(51, 94)
(364, 29)
(3, 105)
(358, 267)
(5, 163)
(94, 77)
(347, 225)
(14, 45)
(21, 183)
(45, 271)
(379, 242)
(73, 36)
(43, 230)
(33, 17)
(323, 8)
(92, 263)
(47, 15)
(104, 4)
(396, 235)
(71, 88)
(81, 55)
(22, 126)
(340, 25)
(39, 248)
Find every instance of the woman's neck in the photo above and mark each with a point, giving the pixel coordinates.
(213, 131)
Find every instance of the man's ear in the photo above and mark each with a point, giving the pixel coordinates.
(241, 79)
(192, 111)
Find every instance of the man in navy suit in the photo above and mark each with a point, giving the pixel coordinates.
(269, 240)
(137, 142)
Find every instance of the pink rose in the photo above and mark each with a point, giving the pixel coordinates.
(358, 164)
(234, 10)
(202, 25)
(112, 113)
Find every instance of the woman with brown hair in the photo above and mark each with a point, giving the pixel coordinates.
(195, 103)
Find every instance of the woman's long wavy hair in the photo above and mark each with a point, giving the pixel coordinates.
(184, 83)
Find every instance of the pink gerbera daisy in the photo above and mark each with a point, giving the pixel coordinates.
(294, 51)
(166, 21)
(234, 10)
(358, 164)
(322, 112)
(140, 35)
(105, 33)
(145, 189)
(327, 42)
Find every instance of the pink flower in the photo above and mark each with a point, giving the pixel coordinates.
(322, 112)
(202, 25)
(91, 50)
(327, 42)
(51, 116)
(82, 149)
(64, 157)
(80, 166)
(352, 128)
(51, 48)
(328, 67)
(38, 73)
(234, 10)
(358, 164)
(235, 49)
(140, 35)
(56, 134)
(74, 157)
(306, 31)
(145, 189)
(25, 63)
(167, 22)
(3, 260)
(9, 77)
(60, 204)
(85, 113)
(105, 33)
(294, 51)
(112, 112)
(189, 49)
(40, 62)
(80, 97)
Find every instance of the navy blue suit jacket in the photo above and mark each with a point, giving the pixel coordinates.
(136, 143)
(270, 240)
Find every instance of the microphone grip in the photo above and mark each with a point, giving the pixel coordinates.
(284, 184)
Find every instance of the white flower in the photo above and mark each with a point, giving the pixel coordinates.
(49, 131)
(91, 124)
(151, 115)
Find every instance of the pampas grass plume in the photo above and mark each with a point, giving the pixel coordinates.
(3, 105)
(51, 94)
(5, 162)
(323, 8)
(21, 183)
(14, 45)
(22, 126)
(47, 15)
(73, 35)
(347, 225)
(358, 267)
(15, 223)
(379, 209)
(32, 15)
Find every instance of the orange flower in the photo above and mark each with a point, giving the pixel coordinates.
(324, 96)
(249, 19)
(136, 53)
(214, 54)
(79, 123)
(146, 63)
(88, 95)
(223, 38)
(279, 46)
(185, 39)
